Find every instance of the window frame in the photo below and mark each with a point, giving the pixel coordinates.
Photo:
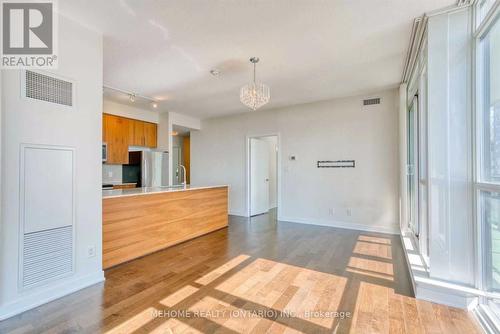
(480, 184)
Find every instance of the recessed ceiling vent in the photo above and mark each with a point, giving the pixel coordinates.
(369, 102)
(49, 89)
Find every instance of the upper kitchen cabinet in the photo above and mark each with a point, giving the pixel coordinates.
(150, 134)
(115, 135)
(144, 134)
(120, 133)
(137, 134)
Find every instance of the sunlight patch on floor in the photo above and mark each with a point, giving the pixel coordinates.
(135, 322)
(373, 249)
(214, 274)
(299, 292)
(174, 326)
(372, 307)
(179, 295)
(227, 315)
(379, 240)
(370, 267)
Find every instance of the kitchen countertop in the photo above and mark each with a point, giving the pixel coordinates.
(119, 183)
(151, 190)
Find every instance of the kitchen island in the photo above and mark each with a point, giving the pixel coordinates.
(140, 221)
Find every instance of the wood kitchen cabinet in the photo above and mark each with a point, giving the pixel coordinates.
(144, 134)
(119, 133)
(133, 226)
(115, 135)
(150, 134)
(137, 138)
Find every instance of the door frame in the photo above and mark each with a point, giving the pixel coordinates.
(247, 170)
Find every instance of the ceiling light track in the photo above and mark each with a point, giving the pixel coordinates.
(134, 96)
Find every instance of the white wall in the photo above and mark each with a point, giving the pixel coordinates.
(185, 121)
(164, 131)
(330, 130)
(36, 122)
(118, 109)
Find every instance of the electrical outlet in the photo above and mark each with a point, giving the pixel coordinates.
(349, 212)
(110, 174)
(91, 251)
(331, 211)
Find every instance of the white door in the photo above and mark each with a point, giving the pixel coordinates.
(259, 176)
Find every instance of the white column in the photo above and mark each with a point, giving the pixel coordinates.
(450, 147)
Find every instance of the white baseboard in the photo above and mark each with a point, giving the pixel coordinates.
(42, 296)
(457, 296)
(238, 213)
(391, 229)
(433, 290)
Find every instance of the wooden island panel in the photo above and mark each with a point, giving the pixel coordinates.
(134, 226)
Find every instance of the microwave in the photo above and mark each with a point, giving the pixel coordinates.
(104, 152)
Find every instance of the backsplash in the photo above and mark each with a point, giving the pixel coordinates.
(111, 173)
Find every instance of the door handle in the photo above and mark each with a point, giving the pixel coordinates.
(267, 180)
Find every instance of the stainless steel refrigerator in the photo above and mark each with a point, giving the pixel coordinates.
(154, 168)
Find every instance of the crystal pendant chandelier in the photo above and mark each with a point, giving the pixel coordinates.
(254, 95)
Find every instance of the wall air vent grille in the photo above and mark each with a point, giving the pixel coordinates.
(46, 88)
(47, 255)
(369, 102)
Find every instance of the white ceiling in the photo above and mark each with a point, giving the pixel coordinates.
(309, 49)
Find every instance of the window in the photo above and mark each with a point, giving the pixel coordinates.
(490, 220)
(490, 103)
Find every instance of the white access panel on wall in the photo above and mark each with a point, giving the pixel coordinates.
(47, 214)
(48, 188)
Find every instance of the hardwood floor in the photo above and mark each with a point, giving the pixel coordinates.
(257, 276)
